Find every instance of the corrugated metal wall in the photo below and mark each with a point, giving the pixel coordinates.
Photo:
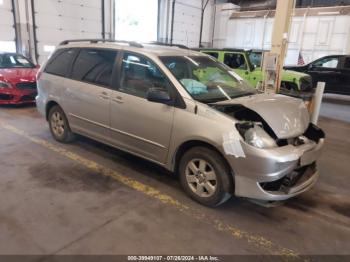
(271, 4)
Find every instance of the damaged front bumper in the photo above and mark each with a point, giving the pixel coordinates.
(276, 174)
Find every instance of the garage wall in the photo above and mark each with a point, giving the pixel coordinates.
(133, 23)
(312, 36)
(56, 21)
(7, 30)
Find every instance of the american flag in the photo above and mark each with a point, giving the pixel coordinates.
(301, 59)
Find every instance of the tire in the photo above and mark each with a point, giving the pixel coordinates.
(198, 180)
(59, 125)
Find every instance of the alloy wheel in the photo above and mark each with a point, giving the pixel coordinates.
(57, 124)
(201, 177)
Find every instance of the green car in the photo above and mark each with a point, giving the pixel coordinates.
(247, 64)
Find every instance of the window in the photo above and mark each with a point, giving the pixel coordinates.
(14, 61)
(347, 63)
(94, 66)
(139, 74)
(328, 62)
(213, 54)
(60, 62)
(235, 61)
(255, 58)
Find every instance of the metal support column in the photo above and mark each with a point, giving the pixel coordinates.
(172, 22)
(279, 42)
(103, 29)
(202, 18)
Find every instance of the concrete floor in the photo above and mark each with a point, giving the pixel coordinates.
(51, 204)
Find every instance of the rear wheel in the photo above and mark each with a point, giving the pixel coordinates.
(205, 176)
(59, 125)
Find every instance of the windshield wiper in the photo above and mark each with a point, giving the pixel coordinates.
(213, 100)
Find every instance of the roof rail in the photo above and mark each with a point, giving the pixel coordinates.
(236, 49)
(223, 49)
(165, 44)
(94, 41)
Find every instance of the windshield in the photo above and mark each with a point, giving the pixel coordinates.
(255, 58)
(14, 61)
(205, 79)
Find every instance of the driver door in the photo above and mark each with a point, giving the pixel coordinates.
(238, 63)
(138, 125)
(325, 70)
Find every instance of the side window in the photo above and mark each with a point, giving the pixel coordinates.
(255, 58)
(60, 63)
(213, 54)
(235, 61)
(139, 74)
(94, 66)
(329, 62)
(347, 63)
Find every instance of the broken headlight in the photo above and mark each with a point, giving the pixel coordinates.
(254, 134)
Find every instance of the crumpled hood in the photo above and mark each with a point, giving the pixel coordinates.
(287, 116)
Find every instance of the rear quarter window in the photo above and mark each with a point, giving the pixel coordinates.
(60, 62)
(94, 66)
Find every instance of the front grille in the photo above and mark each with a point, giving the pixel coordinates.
(26, 85)
(6, 97)
(290, 180)
(28, 97)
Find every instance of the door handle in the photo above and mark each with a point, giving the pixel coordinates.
(118, 99)
(104, 95)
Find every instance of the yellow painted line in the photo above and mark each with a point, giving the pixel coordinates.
(256, 240)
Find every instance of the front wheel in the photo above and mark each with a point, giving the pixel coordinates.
(59, 125)
(205, 176)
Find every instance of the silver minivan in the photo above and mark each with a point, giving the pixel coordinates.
(184, 111)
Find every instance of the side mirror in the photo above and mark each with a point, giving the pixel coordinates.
(37, 66)
(158, 95)
(251, 68)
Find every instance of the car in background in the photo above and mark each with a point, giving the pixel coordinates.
(247, 63)
(17, 79)
(334, 70)
(184, 111)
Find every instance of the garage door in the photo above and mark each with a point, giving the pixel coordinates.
(7, 29)
(187, 21)
(56, 21)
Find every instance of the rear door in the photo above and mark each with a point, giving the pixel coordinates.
(87, 92)
(138, 125)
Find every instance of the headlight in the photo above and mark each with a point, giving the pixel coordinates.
(4, 85)
(255, 135)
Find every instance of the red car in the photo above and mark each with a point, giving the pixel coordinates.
(17, 79)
